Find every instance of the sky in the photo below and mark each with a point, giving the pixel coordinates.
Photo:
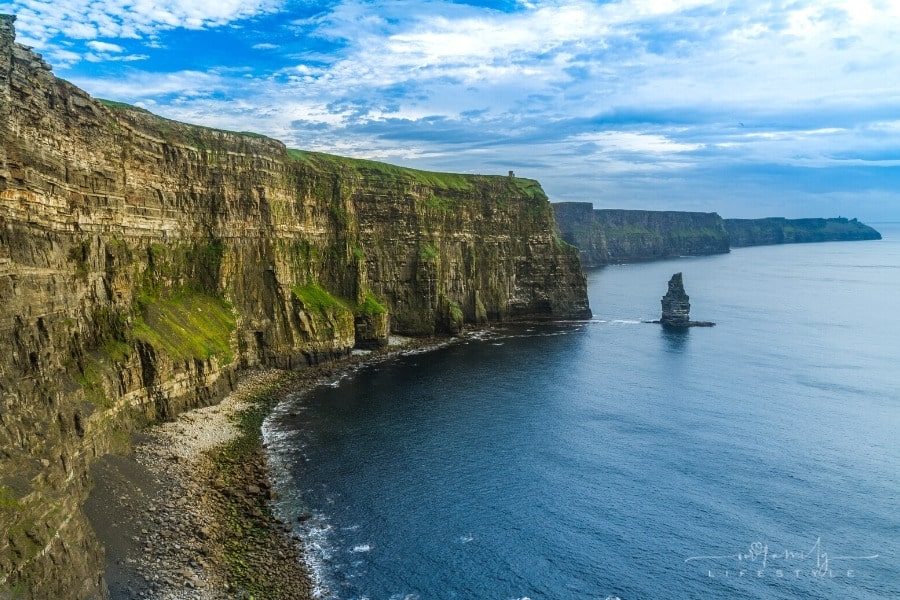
(749, 109)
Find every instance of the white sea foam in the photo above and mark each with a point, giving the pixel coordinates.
(482, 334)
(415, 351)
(317, 551)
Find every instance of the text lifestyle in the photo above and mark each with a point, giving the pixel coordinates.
(782, 573)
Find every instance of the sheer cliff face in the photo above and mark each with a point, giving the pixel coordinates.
(616, 236)
(143, 261)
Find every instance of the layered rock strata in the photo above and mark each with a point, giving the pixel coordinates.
(144, 262)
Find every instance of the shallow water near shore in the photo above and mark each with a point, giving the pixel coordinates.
(613, 458)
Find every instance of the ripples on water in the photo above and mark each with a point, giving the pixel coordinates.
(615, 458)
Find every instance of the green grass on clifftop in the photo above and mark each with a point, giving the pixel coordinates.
(461, 182)
(447, 181)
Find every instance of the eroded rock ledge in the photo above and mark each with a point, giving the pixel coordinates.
(143, 262)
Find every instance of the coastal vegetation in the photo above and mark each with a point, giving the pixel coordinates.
(383, 171)
(370, 306)
(317, 300)
(189, 326)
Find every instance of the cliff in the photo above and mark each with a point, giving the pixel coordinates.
(617, 236)
(144, 262)
(777, 230)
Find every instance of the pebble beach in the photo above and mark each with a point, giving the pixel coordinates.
(187, 514)
(175, 528)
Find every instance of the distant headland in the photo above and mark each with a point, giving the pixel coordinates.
(609, 236)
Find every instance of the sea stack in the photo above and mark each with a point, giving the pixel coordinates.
(676, 306)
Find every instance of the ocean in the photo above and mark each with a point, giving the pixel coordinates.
(615, 459)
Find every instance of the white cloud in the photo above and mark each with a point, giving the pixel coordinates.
(60, 58)
(643, 143)
(794, 134)
(43, 20)
(153, 86)
(496, 37)
(885, 126)
(107, 52)
(104, 46)
(96, 58)
(592, 56)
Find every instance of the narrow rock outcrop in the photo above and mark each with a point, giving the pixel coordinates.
(676, 306)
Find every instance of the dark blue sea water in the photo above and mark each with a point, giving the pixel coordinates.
(756, 459)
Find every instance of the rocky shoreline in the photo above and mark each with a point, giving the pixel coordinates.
(188, 515)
